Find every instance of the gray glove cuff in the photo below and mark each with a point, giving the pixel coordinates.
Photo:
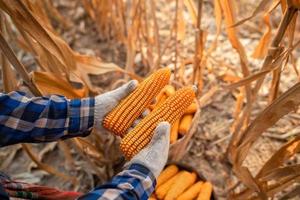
(155, 155)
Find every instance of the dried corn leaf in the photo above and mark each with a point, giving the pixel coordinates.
(47, 148)
(69, 162)
(263, 7)
(190, 5)
(109, 17)
(89, 8)
(262, 48)
(239, 104)
(9, 54)
(26, 21)
(280, 186)
(180, 23)
(131, 44)
(229, 14)
(207, 97)
(274, 172)
(8, 74)
(292, 29)
(54, 13)
(275, 46)
(290, 32)
(46, 167)
(292, 194)
(88, 148)
(284, 104)
(274, 89)
(246, 177)
(247, 80)
(53, 53)
(284, 153)
(269, 190)
(276, 64)
(49, 83)
(37, 7)
(88, 65)
(281, 173)
(229, 78)
(9, 157)
(218, 19)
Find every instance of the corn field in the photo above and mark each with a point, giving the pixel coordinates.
(241, 55)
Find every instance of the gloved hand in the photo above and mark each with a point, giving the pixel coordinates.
(104, 103)
(155, 155)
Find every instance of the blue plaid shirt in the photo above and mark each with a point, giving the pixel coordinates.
(46, 119)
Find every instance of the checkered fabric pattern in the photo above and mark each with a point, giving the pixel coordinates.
(43, 119)
(135, 183)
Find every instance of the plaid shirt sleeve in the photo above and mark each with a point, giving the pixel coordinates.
(134, 183)
(42, 119)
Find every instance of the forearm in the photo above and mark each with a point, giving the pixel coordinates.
(43, 119)
(134, 183)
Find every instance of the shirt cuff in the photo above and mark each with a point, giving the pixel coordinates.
(80, 116)
(147, 178)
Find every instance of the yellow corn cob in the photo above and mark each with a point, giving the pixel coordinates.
(185, 124)
(160, 101)
(166, 92)
(121, 118)
(191, 109)
(169, 90)
(169, 111)
(166, 174)
(205, 191)
(174, 131)
(192, 192)
(185, 180)
(162, 190)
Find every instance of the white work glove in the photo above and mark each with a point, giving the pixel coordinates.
(104, 103)
(155, 155)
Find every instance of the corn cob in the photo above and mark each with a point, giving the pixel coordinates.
(174, 132)
(166, 92)
(162, 190)
(169, 111)
(121, 118)
(191, 109)
(185, 180)
(185, 124)
(192, 192)
(205, 191)
(160, 101)
(167, 173)
(169, 90)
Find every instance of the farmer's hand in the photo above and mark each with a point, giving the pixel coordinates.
(104, 103)
(155, 155)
